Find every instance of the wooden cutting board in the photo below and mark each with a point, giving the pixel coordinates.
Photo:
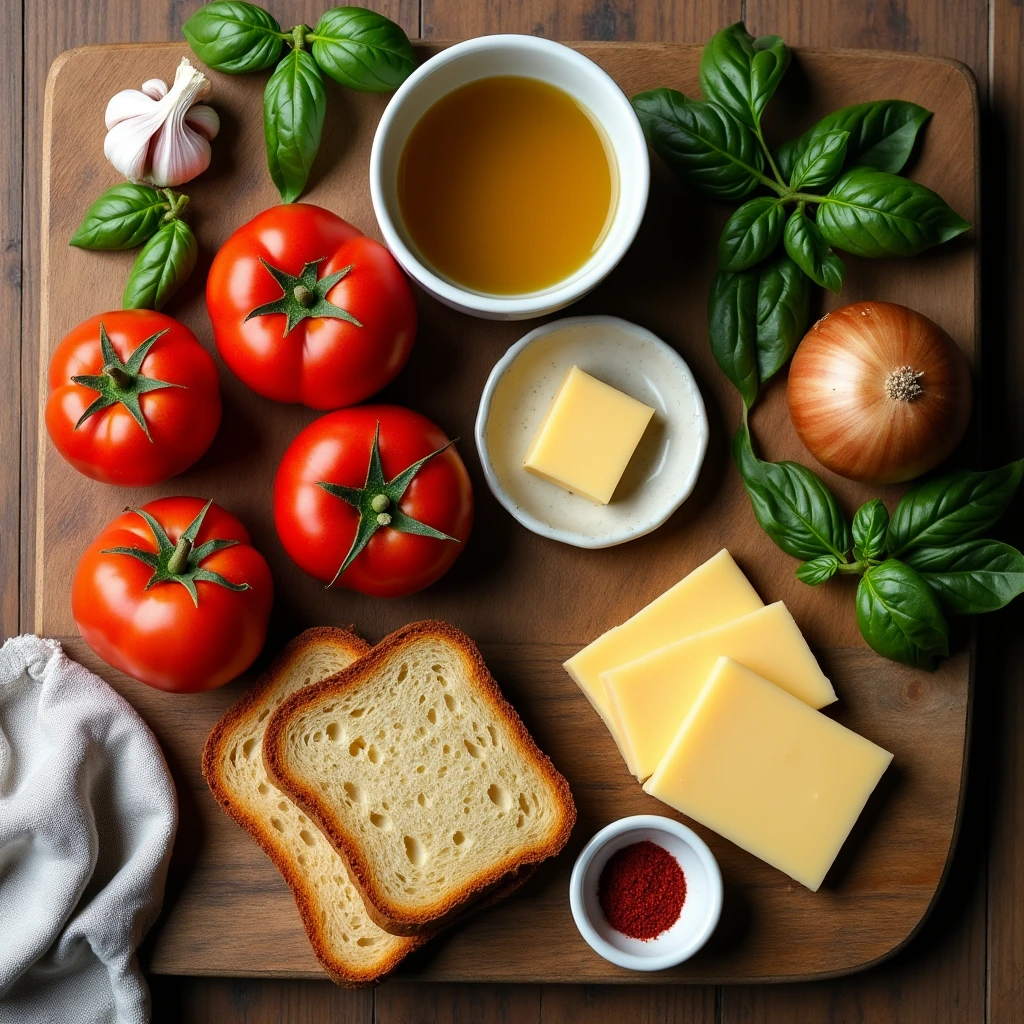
(530, 602)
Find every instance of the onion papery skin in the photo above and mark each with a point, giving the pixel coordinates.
(838, 400)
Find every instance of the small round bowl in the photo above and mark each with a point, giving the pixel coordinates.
(529, 57)
(701, 909)
(665, 466)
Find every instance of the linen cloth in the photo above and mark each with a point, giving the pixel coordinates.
(87, 821)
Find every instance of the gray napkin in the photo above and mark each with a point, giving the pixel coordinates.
(87, 819)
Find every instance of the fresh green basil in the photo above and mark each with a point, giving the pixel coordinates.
(874, 213)
(362, 49)
(791, 504)
(161, 268)
(882, 135)
(751, 233)
(952, 509)
(234, 37)
(783, 307)
(702, 142)
(741, 73)
(821, 161)
(732, 328)
(870, 529)
(807, 248)
(123, 217)
(899, 615)
(294, 107)
(973, 577)
(817, 570)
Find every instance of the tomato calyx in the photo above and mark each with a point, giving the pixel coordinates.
(304, 296)
(179, 563)
(122, 382)
(377, 503)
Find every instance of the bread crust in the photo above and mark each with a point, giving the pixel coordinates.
(240, 714)
(388, 915)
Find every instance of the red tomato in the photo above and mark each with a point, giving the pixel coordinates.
(284, 331)
(318, 528)
(110, 444)
(156, 631)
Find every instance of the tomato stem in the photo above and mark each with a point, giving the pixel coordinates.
(178, 562)
(119, 375)
(303, 295)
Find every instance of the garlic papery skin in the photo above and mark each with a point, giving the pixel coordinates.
(160, 135)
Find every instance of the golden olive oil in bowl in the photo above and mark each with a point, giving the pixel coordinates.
(507, 185)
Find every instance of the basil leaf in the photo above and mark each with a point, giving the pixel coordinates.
(702, 142)
(817, 570)
(123, 217)
(362, 49)
(810, 252)
(899, 616)
(783, 308)
(970, 578)
(791, 504)
(294, 105)
(161, 268)
(952, 509)
(751, 233)
(870, 528)
(874, 213)
(234, 37)
(732, 328)
(740, 73)
(882, 135)
(821, 161)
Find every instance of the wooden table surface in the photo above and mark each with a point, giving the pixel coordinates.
(968, 964)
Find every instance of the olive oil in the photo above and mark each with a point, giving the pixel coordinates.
(506, 185)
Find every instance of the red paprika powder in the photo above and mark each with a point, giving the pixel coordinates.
(642, 890)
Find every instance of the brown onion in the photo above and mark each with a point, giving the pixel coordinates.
(878, 392)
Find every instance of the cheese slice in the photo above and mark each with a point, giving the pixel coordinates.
(714, 593)
(767, 772)
(649, 698)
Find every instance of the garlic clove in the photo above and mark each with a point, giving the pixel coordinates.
(127, 144)
(203, 119)
(127, 103)
(155, 88)
(178, 156)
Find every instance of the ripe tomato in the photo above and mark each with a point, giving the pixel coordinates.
(375, 499)
(306, 308)
(173, 594)
(134, 398)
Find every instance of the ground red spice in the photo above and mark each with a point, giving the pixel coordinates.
(642, 890)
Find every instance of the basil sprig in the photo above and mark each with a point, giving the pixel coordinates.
(359, 49)
(925, 562)
(163, 266)
(839, 179)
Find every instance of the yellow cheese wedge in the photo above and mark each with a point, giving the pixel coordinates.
(714, 593)
(764, 770)
(649, 697)
(587, 437)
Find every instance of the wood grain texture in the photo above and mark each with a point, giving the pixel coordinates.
(508, 589)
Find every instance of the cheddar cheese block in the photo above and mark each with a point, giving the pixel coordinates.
(649, 698)
(766, 771)
(714, 593)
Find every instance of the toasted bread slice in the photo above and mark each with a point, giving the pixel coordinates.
(352, 949)
(422, 775)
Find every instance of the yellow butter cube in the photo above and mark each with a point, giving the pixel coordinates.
(761, 768)
(587, 437)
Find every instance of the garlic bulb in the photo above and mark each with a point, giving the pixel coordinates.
(160, 135)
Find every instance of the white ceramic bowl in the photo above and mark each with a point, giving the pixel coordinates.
(701, 909)
(664, 468)
(530, 57)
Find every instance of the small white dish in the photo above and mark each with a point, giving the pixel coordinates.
(529, 57)
(665, 466)
(702, 907)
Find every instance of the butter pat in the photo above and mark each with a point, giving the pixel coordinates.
(768, 773)
(649, 698)
(588, 436)
(714, 593)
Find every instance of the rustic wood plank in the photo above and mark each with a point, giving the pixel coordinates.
(1004, 381)
(400, 1002)
(602, 1004)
